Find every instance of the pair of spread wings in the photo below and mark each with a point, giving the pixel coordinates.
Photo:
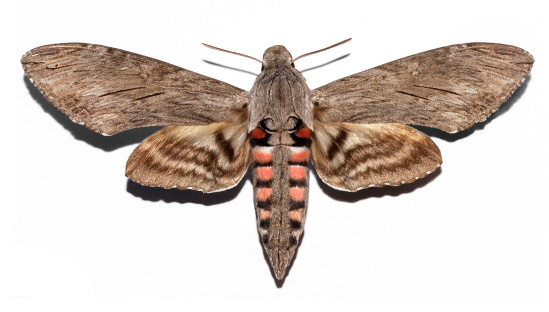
(359, 138)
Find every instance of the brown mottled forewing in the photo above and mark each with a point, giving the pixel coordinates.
(355, 156)
(111, 90)
(206, 158)
(449, 88)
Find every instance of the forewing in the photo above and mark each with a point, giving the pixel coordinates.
(206, 158)
(449, 88)
(351, 156)
(110, 90)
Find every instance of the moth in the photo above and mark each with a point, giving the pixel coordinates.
(354, 130)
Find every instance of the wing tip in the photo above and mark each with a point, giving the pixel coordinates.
(24, 58)
(105, 131)
(27, 57)
(527, 57)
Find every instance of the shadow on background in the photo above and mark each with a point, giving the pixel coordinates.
(231, 68)
(327, 63)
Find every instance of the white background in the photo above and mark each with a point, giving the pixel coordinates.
(472, 236)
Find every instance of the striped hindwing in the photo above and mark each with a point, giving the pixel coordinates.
(206, 158)
(449, 88)
(110, 90)
(281, 186)
(351, 157)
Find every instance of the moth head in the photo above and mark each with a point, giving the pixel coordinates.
(277, 56)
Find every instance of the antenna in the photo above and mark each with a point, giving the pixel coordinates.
(215, 48)
(321, 50)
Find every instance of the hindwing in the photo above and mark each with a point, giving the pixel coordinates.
(206, 158)
(351, 157)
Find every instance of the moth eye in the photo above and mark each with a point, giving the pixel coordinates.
(293, 65)
(262, 67)
(293, 124)
(267, 124)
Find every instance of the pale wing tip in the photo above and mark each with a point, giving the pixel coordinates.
(29, 56)
(24, 58)
(32, 55)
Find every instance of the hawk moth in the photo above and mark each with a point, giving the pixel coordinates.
(353, 130)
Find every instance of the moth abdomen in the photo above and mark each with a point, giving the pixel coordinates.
(281, 178)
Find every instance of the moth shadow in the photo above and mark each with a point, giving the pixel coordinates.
(505, 107)
(376, 192)
(231, 68)
(327, 63)
(156, 194)
(79, 132)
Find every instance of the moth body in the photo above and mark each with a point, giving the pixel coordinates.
(281, 143)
